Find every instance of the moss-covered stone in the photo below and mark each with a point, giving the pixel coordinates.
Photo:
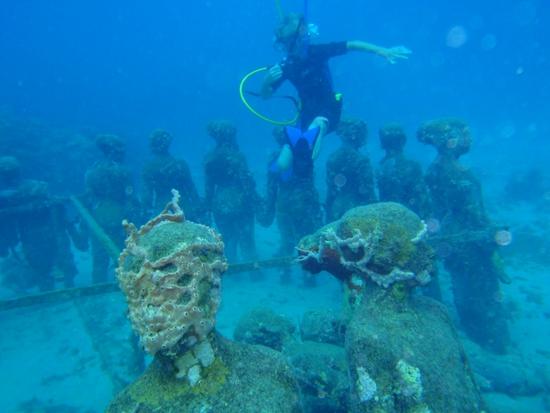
(381, 242)
(322, 373)
(264, 326)
(163, 240)
(242, 379)
(156, 386)
(388, 336)
(323, 326)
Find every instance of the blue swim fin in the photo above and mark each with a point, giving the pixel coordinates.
(295, 135)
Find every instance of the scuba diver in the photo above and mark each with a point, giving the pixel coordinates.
(306, 67)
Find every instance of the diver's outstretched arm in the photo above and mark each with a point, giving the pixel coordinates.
(390, 53)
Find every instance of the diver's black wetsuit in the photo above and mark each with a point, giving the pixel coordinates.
(311, 77)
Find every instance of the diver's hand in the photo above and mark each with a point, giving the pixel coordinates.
(274, 73)
(394, 53)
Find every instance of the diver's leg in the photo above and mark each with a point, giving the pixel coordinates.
(284, 160)
(322, 123)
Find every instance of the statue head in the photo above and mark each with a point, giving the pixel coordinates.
(353, 132)
(111, 146)
(392, 138)
(160, 141)
(223, 132)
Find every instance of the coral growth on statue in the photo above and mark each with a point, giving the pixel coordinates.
(395, 341)
(380, 243)
(170, 273)
(449, 136)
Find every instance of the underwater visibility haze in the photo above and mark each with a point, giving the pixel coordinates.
(280, 206)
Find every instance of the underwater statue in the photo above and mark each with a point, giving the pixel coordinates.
(10, 182)
(53, 154)
(110, 198)
(292, 200)
(230, 192)
(466, 236)
(403, 351)
(164, 172)
(170, 272)
(400, 179)
(32, 217)
(350, 180)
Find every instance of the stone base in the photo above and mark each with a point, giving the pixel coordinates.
(405, 357)
(242, 379)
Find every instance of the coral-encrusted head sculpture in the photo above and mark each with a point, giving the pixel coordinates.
(381, 243)
(450, 137)
(170, 273)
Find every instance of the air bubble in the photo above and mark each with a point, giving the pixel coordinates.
(456, 37)
(503, 237)
(489, 42)
(433, 225)
(340, 180)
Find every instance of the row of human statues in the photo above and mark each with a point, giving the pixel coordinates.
(38, 227)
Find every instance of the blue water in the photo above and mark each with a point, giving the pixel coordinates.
(128, 68)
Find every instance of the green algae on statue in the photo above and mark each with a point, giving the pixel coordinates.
(170, 272)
